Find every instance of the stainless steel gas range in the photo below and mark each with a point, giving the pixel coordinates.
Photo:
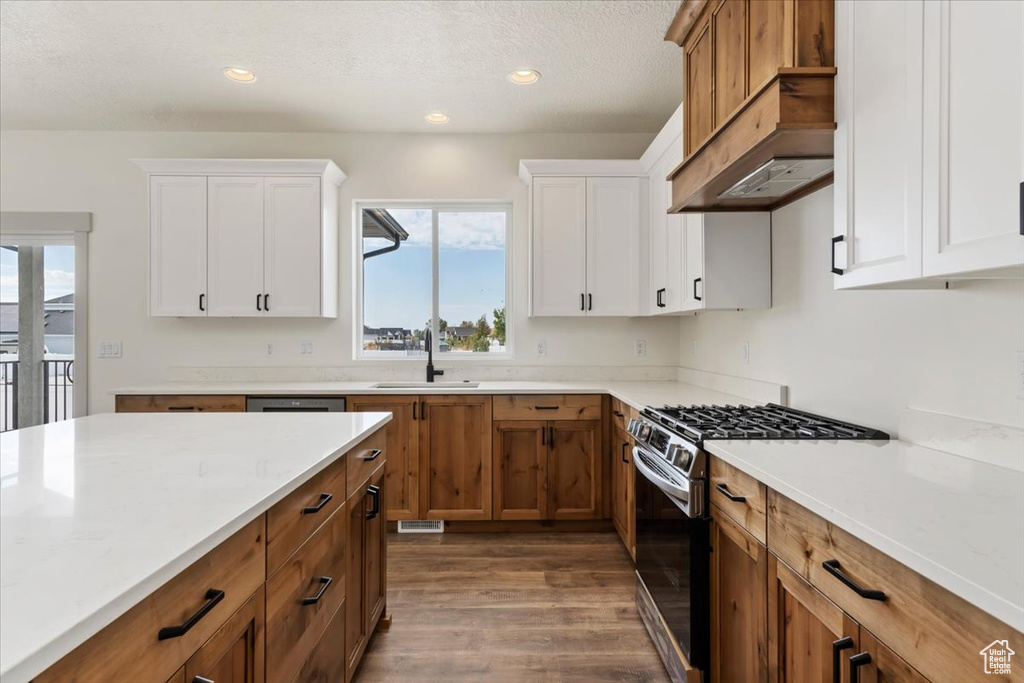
(672, 512)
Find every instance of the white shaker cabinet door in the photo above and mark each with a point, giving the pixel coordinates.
(177, 246)
(613, 245)
(292, 246)
(977, 67)
(235, 238)
(693, 284)
(559, 247)
(878, 146)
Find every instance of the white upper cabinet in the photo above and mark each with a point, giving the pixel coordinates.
(559, 246)
(234, 235)
(667, 250)
(975, 121)
(929, 142)
(613, 238)
(177, 246)
(241, 238)
(878, 172)
(291, 241)
(729, 257)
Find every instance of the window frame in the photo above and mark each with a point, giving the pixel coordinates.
(436, 207)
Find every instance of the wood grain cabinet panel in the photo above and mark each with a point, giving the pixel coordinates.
(178, 677)
(739, 607)
(402, 446)
(179, 403)
(547, 407)
(730, 64)
(364, 459)
(326, 664)
(455, 457)
(235, 653)
(698, 67)
(623, 495)
(884, 665)
(766, 42)
(574, 470)
(520, 470)
(366, 579)
(740, 496)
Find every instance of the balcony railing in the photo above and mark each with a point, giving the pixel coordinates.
(58, 390)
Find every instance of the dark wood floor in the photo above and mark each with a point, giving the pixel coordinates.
(511, 608)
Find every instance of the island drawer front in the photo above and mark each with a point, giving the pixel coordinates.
(180, 403)
(129, 648)
(364, 459)
(294, 519)
(547, 407)
(740, 496)
(936, 632)
(303, 596)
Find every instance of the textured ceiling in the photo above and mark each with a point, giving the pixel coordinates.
(338, 66)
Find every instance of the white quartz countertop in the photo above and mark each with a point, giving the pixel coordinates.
(97, 513)
(635, 393)
(956, 521)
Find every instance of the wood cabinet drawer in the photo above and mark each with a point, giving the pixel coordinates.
(294, 519)
(326, 663)
(364, 459)
(130, 648)
(740, 496)
(180, 403)
(936, 632)
(547, 407)
(620, 414)
(303, 596)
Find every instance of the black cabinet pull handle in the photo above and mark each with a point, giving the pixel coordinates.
(325, 583)
(374, 493)
(551, 436)
(180, 409)
(213, 596)
(423, 410)
(545, 407)
(414, 404)
(325, 498)
(374, 454)
(625, 445)
(734, 498)
(583, 301)
(832, 567)
(201, 298)
(590, 302)
(838, 646)
(856, 662)
(661, 304)
(617, 414)
(836, 240)
(203, 679)
(543, 436)
(695, 281)
(266, 302)
(258, 302)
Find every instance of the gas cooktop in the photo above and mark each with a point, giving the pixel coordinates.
(769, 421)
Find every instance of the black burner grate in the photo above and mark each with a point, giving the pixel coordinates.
(759, 422)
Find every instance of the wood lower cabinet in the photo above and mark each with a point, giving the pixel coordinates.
(547, 470)
(179, 403)
(366, 577)
(882, 665)
(623, 492)
(455, 457)
(403, 467)
(739, 603)
(235, 653)
(803, 625)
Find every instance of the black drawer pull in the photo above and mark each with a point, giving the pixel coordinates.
(180, 409)
(213, 596)
(695, 281)
(374, 493)
(325, 583)
(325, 498)
(856, 662)
(374, 454)
(546, 407)
(838, 646)
(625, 445)
(836, 240)
(203, 679)
(724, 490)
(832, 567)
(617, 414)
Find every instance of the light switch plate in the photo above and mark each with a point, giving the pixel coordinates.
(110, 349)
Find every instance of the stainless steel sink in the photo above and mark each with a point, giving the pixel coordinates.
(426, 385)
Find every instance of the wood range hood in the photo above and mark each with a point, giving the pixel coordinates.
(758, 102)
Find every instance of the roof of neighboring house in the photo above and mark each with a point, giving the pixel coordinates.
(54, 321)
(459, 331)
(386, 331)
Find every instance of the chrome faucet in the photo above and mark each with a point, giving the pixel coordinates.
(431, 372)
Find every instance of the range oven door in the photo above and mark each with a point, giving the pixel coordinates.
(672, 557)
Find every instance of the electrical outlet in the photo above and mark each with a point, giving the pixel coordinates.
(542, 348)
(639, 348)
(306, 348)
(270, 349)
(746, 353)
(110, 349)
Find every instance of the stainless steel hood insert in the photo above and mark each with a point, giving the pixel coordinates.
(778, 177)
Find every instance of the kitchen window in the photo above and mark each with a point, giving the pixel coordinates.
(441, 268)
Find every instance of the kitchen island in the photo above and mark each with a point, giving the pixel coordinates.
(102, 517)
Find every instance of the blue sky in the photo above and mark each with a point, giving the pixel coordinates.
(397, 285)
(58, 279)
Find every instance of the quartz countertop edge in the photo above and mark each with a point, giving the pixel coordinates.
(24, 666)
(744, 455)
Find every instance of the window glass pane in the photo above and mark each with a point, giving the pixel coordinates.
(471, 265)
(397, 281)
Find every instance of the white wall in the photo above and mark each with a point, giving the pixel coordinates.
(90, 171)
(863, 356)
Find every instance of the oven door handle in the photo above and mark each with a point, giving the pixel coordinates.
(684, 499)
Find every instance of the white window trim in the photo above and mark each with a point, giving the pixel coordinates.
(436, 206)
(69, 227)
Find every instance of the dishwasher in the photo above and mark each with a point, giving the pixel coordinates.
(294, 404)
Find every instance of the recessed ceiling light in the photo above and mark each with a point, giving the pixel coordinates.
(436, 117)
(524, 77)
(240, 75)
